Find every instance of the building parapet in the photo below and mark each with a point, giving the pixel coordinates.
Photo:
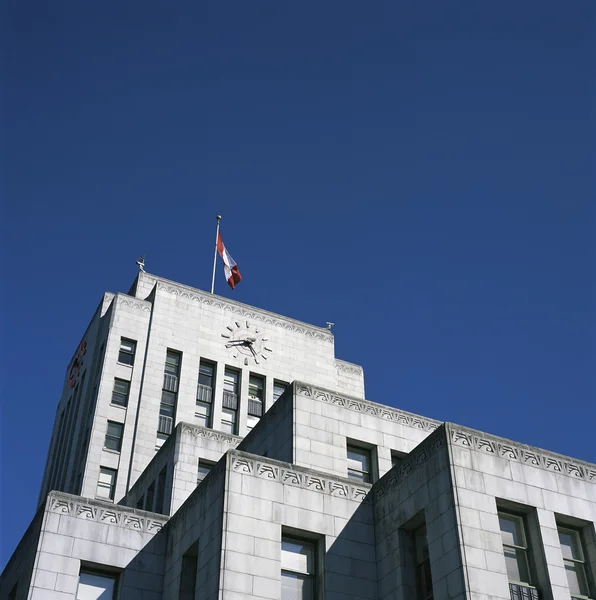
(244, 310)
(105, 512)
(367, 407)
(289, 474)
(348, 367)
(522, 453)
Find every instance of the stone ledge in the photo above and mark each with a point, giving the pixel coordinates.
(105, 512)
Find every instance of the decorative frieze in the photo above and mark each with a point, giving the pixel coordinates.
(238, 309)
(370, 408)
(346, 367)
(210, 434)
(85, 508)
(535, 457)
(289, 475)
(133, 303)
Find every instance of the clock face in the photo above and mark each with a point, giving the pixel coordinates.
(246, 341)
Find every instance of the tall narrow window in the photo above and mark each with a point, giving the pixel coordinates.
(574, 558)
(126, 356)
(161, 490)
(424, 583)
(94, 586)
(169, 393)
(515, 548)
(150, 497)
(256, 386)
(298, 566)
(188, 574)
(279, 387)
(359, 463)
(106, 484)
(120, 392)
(229, 415)
(113, 439)
(205, 389)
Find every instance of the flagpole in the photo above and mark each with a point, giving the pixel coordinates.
(215, 254)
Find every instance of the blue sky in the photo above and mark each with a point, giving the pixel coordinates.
(420, 173)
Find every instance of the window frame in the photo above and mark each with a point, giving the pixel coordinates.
(356, 448)
(205, 463)
(125, 352)
(111, 436)
(278, 384)
(96, 572)
(116, 394)
(576, 533)
(313, 575)
(525, 549)
(112, 487)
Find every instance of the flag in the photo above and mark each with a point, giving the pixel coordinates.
(230, 267)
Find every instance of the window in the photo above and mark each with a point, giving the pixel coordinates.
(515, 548)
(96, 586)
(205, 393)
(228, 421)
(161, 490)
(126, 356)
(297, 569)
(205, 467)
(424, 583)
(169, 393)
(575, 562)
(188, 574)
(106, 484)
(150, 497)
(113, 439)
(230, 401)
(279, 387)
(359, 464)
(120, 392)
(256, 387)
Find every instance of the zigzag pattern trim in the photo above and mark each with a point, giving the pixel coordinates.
(85, 508)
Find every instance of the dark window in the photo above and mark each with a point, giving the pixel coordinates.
(128, 348)
(120, 392)
(161, 490)
(188, 574)
(424, 583)
(113, 439)
(150, 497)
(169, 394)
(229, 418)
(204, 469)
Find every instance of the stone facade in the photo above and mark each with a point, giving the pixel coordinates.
(207, 514)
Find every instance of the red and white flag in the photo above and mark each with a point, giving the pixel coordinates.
(230, 267)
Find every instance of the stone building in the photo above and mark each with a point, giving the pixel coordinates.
(204, 449)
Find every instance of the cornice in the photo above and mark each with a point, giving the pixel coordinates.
(348, 367)
(135, 303)
(106, 513)
(366, 407)
(210, 434)
(288, 474)
(245, 311)
(522, 453)
(419, 455)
